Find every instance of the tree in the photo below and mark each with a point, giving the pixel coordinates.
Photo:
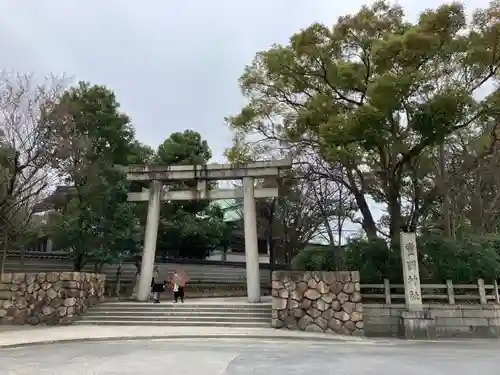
(471, 162)
(186, 148)
(98, 224)
(303, 212)
(188, 229)
(99, 227)
(25, 157)
(375, 95)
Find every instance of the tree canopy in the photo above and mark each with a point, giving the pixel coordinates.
(390, 115)
(373, 97)
(190, 229)
(98, 224)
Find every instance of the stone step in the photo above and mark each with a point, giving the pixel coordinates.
(174, 323)
(181, 308)
(184, 318)
(198, 312)
(180, 313)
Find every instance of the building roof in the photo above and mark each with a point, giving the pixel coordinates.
(59, 197)
(231, 209)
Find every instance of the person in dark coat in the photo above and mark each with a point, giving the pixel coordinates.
(157, 287)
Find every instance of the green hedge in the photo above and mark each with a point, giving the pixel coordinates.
(462, 260)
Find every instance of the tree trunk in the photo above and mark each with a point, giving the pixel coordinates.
(270, 241)
(118, 279)
(78, 263)
(394, 210)
(5, 248)
(339, 218)
(368, 223)
(444, 191)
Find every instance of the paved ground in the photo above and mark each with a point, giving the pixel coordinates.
(244, 357)
(27, 335)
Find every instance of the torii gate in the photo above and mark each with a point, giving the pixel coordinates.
(159, 176)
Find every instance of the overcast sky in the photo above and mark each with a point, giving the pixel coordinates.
(173, 65)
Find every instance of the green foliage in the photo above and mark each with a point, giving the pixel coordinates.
(374, 93)
(191, 236)
(190, 229)
(91, 131)
(184, 148)
(463, 260)
(98, 224)
(374, 260)
(315, 259)
(140, 154)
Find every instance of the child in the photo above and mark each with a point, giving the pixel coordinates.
(178, 283)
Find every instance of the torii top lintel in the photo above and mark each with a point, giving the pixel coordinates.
(257, 169)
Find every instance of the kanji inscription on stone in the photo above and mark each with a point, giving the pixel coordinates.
(409, 257)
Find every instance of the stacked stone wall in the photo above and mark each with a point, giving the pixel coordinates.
(327, 302)
(51, 298)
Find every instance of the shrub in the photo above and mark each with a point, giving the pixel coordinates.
(374, 260)
(464, 259)
(315, 259)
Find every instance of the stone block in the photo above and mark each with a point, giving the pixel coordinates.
(6, 294)
(416, 325)
(355, 277)
(312, 294)
(278, 303)
(479, 313)
(467, 332)
(396, 311)
(452, 311)
(459, 321)
(348, 288)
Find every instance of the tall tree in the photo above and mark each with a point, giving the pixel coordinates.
(98, 224)
(188, 229)
(375, 94)
(25, 156)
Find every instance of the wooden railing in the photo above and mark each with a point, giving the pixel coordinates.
(448, 293)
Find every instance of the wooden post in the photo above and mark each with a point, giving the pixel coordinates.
(482, 292)
(387, 292)
(451, 292)
(496, 294)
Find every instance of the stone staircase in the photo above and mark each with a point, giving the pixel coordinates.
(201, 312)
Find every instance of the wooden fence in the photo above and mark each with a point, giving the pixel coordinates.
(448, 293)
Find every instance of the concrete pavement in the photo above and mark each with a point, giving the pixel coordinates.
(250, 357)
(42, 335)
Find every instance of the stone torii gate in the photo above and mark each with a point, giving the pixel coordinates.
(160, 176)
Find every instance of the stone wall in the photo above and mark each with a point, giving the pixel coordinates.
(318, 302)
(51, 298)
(467, 321)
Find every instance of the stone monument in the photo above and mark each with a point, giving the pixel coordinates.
(411, 275)
(415, 322)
